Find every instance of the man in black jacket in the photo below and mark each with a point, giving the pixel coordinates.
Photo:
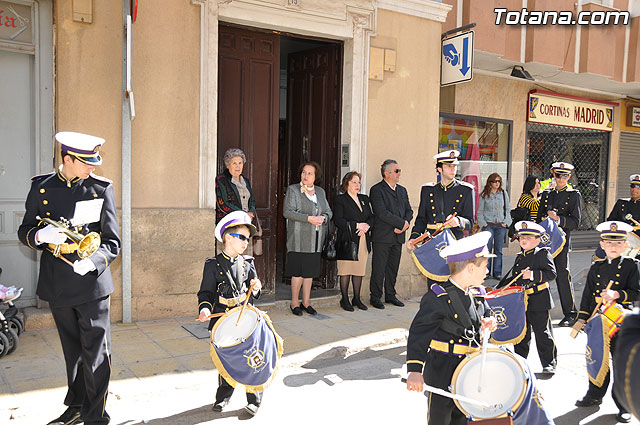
(562, 204)
(390, 203)
(626, 206)
(439, 200)
(77, 288)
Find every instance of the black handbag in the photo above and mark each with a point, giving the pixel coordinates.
(517, 214)
(347, 248)
(329, 248)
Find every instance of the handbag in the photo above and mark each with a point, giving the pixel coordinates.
(347, 248)
(257, 238)
(329, 248)
(517, 214)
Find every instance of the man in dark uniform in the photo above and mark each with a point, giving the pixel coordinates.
(76, 288)
(626, 385)
(535, 280)
(392, 214)
(624, 274)
(448, 326)
(562, 204)
(225, 284)
(439, 200)
(626, 206)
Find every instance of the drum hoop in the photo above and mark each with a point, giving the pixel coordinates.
(506, 291)
(468, 358)
(227, 314)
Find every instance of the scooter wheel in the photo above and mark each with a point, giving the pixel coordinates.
(16, 324)
(12, 337)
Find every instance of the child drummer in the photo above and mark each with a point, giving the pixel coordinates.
(226, 280)
(623, 273)
(448, 325)
(535, 280)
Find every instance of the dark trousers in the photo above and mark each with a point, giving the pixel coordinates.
(540, 322)
(384, 270)
(438, 370)
(85, 335)
(225, 390)
(563, 280)
(599, 392)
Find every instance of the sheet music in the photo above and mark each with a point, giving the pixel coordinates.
(87, 212)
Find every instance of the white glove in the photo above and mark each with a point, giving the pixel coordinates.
(84, 266)
(257, 286)
(50, 234)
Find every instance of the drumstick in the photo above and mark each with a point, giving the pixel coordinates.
(577, 327)
(211, 316)
(514, 279)
(485, 340)
(426, 234)
(434, 390)
(245, 303)
(630, 217)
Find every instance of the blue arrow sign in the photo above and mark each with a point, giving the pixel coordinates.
(465, 56)
(456, 60)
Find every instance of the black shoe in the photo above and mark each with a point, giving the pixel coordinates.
(549, 369)
(296, 310)
(624, 417)
(312, 311)
(219, 405)
(588, 401)
(395, 302)
(377, 304)
(345, 304)
(567, 322)
(357, 303)
(71, 416)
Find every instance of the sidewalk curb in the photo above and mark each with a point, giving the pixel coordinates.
(346, 347)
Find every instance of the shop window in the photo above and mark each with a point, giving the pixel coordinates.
(483, 144)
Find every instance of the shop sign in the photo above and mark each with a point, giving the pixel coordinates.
(456, 60)
(16, 26)
(635, 117)
(549, 109)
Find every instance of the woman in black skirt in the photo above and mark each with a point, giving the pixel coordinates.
(308, 213)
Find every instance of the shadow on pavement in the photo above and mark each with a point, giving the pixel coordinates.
(193, 417)
(578, 414)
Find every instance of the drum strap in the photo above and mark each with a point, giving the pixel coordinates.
(453, 327)
(232, 280)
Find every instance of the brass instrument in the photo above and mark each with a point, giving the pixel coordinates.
(87, 244)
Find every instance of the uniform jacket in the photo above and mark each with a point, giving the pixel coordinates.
(391, 209)
(540, 262)
(303, 236)
(566, 202)
(346, 215)
(437, 202)
(622, 208)
(227, 196)
(427, 325)
(626, 384)
(53, 196)
(223, 287)
(625, 275)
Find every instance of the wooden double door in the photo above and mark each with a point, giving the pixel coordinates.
(249, 118)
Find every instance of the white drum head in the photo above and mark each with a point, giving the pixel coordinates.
(503, 383)
(226, 333)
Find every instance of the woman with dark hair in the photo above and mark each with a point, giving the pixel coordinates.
(530, 198)
(353, 217)
(494, 217)
(308, 213)
(233, 190)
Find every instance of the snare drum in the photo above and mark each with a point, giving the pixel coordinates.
(504, 384)
(247, 352)
(613, 314)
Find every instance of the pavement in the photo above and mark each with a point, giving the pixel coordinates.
(337, 366)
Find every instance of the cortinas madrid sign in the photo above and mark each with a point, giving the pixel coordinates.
(548, 108)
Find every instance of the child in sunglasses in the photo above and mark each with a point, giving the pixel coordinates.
(226, 281)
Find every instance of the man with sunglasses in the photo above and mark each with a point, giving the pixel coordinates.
(439, 200)
(626, 206)
(562, 204)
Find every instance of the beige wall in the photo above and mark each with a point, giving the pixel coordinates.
(403, 114)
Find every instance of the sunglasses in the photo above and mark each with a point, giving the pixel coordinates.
(243, 238)
(397, 170)
(496, 181)
(563, 176)
(635, 186)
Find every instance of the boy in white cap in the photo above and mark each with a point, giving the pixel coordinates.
(78, 294)
(629, 206)
(448, 326)
(623, 273)
(226, 280)
(562, 204)
(438, 200)
(535, 280)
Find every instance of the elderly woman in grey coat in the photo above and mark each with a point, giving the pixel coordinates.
(308, 213)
